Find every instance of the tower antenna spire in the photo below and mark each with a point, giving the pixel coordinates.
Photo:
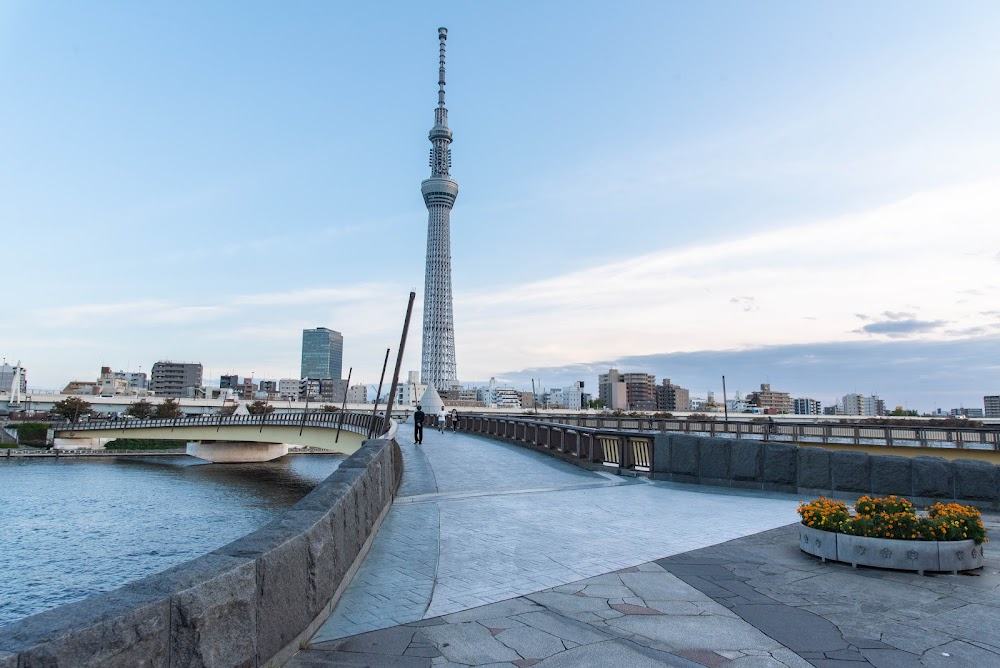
(442, 38)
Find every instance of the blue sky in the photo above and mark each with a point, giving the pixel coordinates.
(200, 181)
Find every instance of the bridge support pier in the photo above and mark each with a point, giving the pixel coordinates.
(236, 452)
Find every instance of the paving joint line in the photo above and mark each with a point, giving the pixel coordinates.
(459, 496)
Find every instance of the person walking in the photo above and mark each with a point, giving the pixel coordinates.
(442, 419)
(418, 426)
(454, 420)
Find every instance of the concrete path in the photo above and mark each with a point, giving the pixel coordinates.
(494, 555)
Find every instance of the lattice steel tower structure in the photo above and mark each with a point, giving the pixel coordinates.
(437, 364)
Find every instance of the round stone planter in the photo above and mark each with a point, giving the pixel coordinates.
(903, 555)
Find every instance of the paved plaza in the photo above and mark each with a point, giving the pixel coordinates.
(494, 555)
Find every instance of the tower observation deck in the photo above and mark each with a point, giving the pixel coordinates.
(437, 364)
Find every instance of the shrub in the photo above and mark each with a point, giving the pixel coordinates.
(896, 518)
(31, 433)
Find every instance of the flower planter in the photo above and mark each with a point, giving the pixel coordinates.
(904, 555)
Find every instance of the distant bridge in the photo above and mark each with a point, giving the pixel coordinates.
(236, 438)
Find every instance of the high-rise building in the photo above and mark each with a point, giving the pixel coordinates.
(807, 406)
(857, 404)
(322, 353)
(288, 388)
(640, 391)
(991, 406)
(136, 379)
(8, 374)
(670, 397)
(437, 362)
(612, 391)
(175, 379)
(357, 394)
(770, 400)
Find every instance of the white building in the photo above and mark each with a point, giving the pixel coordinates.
(856, 404)
(410, 392)
(357, 394)
(136, 380)
(496, 396)
(288, 388)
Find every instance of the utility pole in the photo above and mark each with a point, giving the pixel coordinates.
(378, 394)
(399, 358)
(343, 407)
(725, 402)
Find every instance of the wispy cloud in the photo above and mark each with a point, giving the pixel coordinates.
(900, 328)
(746, 303)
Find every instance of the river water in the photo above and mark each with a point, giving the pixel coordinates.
(73, 527)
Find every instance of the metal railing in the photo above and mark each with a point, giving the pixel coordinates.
(358, 423)
(627, 443)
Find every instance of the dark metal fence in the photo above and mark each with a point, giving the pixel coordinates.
(627, 443)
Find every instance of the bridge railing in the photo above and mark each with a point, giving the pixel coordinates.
(627, 443)
(359, 423)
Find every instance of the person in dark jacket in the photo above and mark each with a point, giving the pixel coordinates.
(418, 426)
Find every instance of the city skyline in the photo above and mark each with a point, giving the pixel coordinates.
(748, 180)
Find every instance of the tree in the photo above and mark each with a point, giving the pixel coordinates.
(596, 403)
(141, 409)
(227, 410)
(168, 409)
(72, 408)
(329, 408)
(260, 407)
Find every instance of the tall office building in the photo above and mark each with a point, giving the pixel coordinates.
(175, 379)
(322, 353)
(437, 362)
(991, 406)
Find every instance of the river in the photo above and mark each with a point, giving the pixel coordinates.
(73, 527)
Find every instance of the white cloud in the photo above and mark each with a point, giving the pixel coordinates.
(876, 261)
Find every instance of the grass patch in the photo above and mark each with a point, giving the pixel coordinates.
(144, 444)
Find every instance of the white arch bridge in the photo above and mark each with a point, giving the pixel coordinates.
(236, 438)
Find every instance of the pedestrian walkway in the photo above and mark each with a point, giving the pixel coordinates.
(478, 522)
(497, 556)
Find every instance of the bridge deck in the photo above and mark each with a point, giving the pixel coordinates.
(496, 555)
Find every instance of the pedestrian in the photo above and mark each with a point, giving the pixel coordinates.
(454, 420)
(418, 426)
(442, 419)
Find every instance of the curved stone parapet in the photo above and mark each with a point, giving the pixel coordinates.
(902, 555)
(247, 604)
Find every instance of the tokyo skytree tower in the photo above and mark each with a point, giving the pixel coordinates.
(437, 363)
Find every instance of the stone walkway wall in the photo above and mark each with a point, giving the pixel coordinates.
(246, 604)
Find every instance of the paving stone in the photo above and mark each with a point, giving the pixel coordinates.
(531, 643)
(795, 628)
(568, 604)
(563, 627)
(469, 643)
(509, 608)
(892, 658)
(613, 654)
(708, 632)
(662, 586)
(391, 641)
